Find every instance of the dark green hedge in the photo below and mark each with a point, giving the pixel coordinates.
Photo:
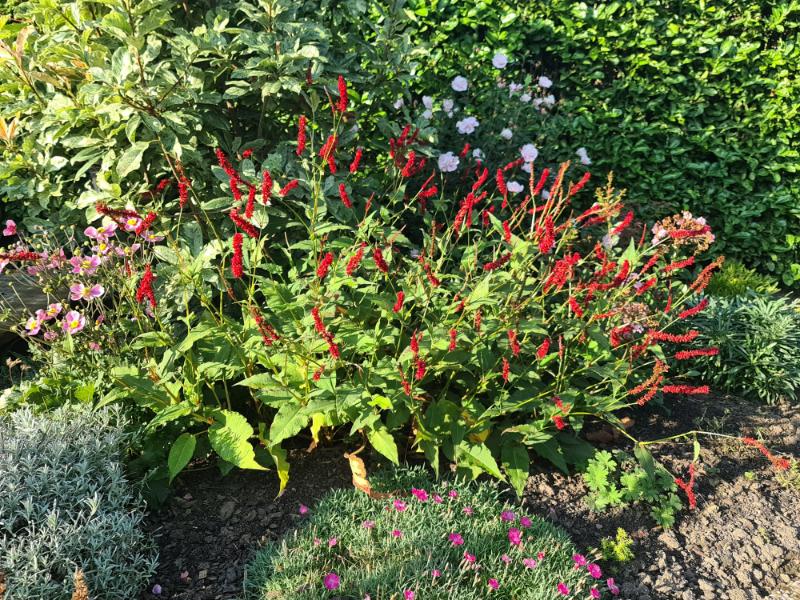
(692, 104)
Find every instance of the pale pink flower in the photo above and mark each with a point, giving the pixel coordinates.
(612, 587)
(529, 563)
(94, 346)
(459, 84)
(73, 322)
(437, 498)
(499, 61)
(452, 494)
(436, 573)
(100, 234)
(332, 542)
(468, 510)
(505, 558)
(368, 524)
(303, 510)
(151, 237)
(400, 506)
(84, 265)
(331, 581)
(132, 223)
(50, 335)
(78, 291)
(10, 228)
(33, 325)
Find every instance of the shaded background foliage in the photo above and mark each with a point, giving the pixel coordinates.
(692, 104)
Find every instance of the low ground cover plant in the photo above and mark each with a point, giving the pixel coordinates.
(759, 346)
(67, 511)
(381, 295)
(734, 279)
(419, 539)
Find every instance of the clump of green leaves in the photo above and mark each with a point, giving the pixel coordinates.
(759, 346)
(618, 548)
(619, 479)
(735, 279)
(377, 550)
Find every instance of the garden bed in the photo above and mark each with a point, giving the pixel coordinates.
(741, 542)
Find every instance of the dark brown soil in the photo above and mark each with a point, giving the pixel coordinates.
(741, 543)
(214, 524)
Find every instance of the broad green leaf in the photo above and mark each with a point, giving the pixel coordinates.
(383, 441)
(516, 464)
(480, 456)
(131, 159)
(281, 464)
(290, 419)
(229, 437)
(180, 454)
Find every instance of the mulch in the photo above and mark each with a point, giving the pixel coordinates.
(742, 542)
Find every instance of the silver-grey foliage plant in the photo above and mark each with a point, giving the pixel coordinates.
(65, 504)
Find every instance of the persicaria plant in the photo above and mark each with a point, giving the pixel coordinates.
(334, 289)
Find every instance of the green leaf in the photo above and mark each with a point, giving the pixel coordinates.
(480, 456)
(516, 464)
(281, 464)
(180, 454)
(131, 159)
(229, 436)
(289, 421)
(551, 451)
(383, 441)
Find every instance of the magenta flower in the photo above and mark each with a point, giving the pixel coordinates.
(515, 536)
(317, 541)
(420, 495)
(437, 498)
(84, 265)
(529, 563)
(563, 589)
(303, 510)
(400, 506)
(594, 570)
(94, 346)
(73, 322)
(100, 234)
(540, 555)
(507, 516)
(505, 558)
(132, 223)
(156, 590)
(10, 229)
(470, 558)
(594, 593)
(332, 542)
(368, 524)
(50, 335)
(525, 521)
(456, 539)
(579, 560)
(331, 581)
(409, 595)
(78, 291)
(436, 573)
(397, 533)
(494, 584)
(612, 587)
(453, 494)
(468, 510)
(33, 325)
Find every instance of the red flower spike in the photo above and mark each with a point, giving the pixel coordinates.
(687, 486)
(325, 265)
(453, 333)
(678, 265)
(686, 389)
(343, 195)
(251, 202)
(398, 305)
(646, 286)
(690, 312)
(183, 191)
(559, 422)
(513, 342)
(145, 289)
(506, 232)
(477, 320)
(414, 344)
(377, 256)
(236, 262)
(243, 224)
(624, 224)
(301, 135)
(688, 354)
(543, 349)
(420, 374)
(266, 187)
(506, 369)
(496, 264)
(356, 160)
(247, 153)
(268, 334)
(342, 85)
(501, 182)
(680, 338)
(288, 187)
(355, 260)
(541, 182)
(146, 223)
(575, 307)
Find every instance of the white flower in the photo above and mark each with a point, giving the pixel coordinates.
(506, 134)
(585, 160)
(549, 100)
(428, 114)
(399, 103)
(499, 61)
(514, 187)
(427, 102)
(525, 97)
(529, 153)
(513, 88)
(545, 82)
(537, 102)
(447, 106)
(478, 154)
(459, 84)
(526, 167)
(467, 125)
(546, 194)
(608, 241)
(448, 162)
